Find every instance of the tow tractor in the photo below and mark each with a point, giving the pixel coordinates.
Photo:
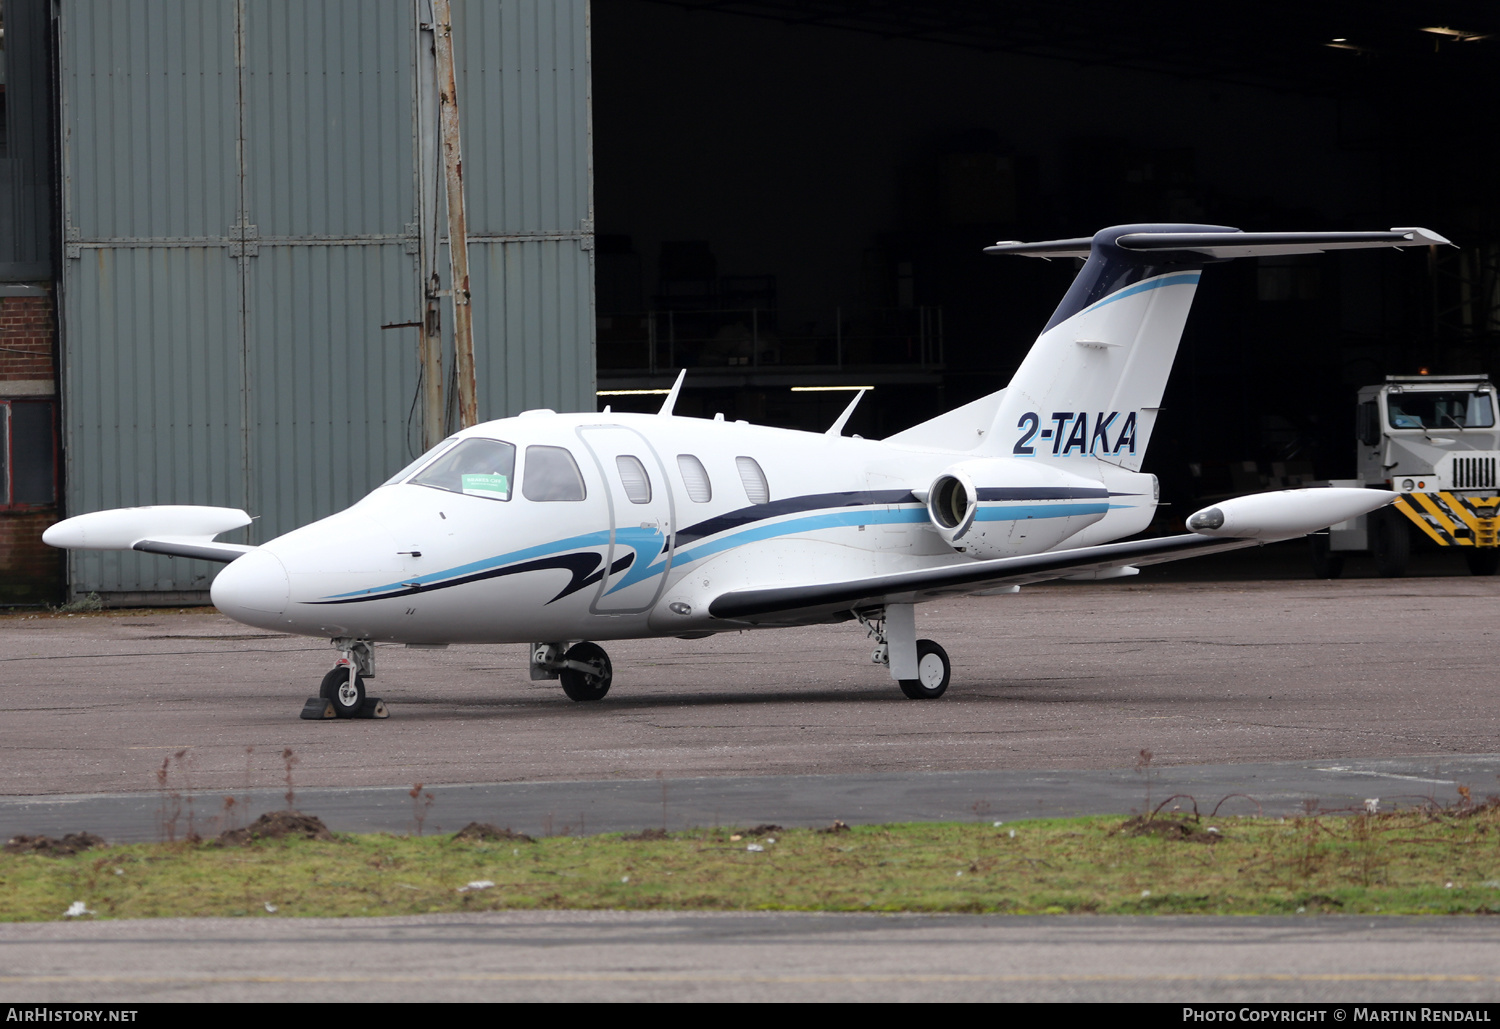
(1433, 439)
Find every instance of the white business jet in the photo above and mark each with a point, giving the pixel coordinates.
(557, 530)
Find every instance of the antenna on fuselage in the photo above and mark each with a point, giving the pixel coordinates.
(837, 428)
(671, 401)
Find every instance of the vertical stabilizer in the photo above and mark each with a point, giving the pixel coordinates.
(1092, 383)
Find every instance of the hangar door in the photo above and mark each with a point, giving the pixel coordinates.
(240, 222)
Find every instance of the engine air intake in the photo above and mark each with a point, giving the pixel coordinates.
(950, 502)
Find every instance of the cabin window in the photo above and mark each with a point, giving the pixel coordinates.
(754, 479)
(551, 475)
(475, 467)
(633, 478)
(694, 477)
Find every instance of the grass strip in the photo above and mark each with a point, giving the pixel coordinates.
(1410, 862)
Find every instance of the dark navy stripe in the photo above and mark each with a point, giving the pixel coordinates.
(1041, 493)
(791, 505)
(583, 565)
(1111, 268)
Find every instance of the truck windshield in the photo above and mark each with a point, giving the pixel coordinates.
(1457, 410)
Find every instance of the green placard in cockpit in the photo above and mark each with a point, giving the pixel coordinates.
(484, 485)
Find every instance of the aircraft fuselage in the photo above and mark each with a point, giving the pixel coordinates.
(666, 513)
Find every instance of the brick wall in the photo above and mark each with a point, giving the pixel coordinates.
(30, 571)
(26, 325)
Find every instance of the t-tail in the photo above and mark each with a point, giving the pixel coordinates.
(1092, 384)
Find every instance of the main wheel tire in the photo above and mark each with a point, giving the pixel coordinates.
(1483, 562)
(1390, 543)
(583, 686)
(346, 700)
(1325, 563)
(933, 671)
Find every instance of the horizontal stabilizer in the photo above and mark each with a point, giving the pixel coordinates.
(1226, 245)
(176, 530)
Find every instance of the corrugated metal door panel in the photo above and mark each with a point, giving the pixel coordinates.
(149, 116)
(523, 80)
(533, 326)
(332, 390)
(152, 394)
(328, 109)
(151, 371)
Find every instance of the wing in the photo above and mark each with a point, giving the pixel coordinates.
(828, 601)
(203, 550)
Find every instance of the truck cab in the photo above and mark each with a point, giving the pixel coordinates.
(1435, 440)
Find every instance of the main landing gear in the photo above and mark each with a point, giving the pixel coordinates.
(920, 667)
(584, 668)
(342, 692)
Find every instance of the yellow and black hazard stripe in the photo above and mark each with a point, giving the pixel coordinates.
(1452, 520)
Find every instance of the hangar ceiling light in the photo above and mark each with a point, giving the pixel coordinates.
(1458, 35)
(1283, 45)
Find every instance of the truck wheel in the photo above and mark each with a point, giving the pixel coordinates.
(1483, 562)
(1325, 563)
(1390, 543)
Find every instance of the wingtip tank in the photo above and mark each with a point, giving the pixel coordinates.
(1286, 514)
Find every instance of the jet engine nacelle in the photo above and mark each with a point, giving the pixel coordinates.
(1002, 507)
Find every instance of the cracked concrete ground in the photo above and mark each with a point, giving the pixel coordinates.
(1068, 675)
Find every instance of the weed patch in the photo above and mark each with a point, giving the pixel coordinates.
(1423, 861)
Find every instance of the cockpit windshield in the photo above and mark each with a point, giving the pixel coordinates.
(1432, 410)
(476, 467)
(419, 462)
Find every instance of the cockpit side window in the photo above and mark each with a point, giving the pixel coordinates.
(551, 474)
(475, 467)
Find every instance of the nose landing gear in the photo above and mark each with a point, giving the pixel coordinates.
(342, 692)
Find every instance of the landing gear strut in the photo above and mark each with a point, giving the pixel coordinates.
(584, 668)
(342, 692)
(920, 667)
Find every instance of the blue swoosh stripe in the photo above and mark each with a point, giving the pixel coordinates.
(591, 539)
(1179, 279)
(832, 520)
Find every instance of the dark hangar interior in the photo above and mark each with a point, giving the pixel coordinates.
(795, 193)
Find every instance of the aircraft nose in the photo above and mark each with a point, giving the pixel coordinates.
(253, 589)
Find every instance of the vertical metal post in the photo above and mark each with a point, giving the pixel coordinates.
(671, 339)
(458, 233)
(651, 340)
(242, 267)
(838, 337)
(755, 337)
(430, 332)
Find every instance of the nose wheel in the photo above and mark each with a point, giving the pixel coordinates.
(341, 694)
(344, 688)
